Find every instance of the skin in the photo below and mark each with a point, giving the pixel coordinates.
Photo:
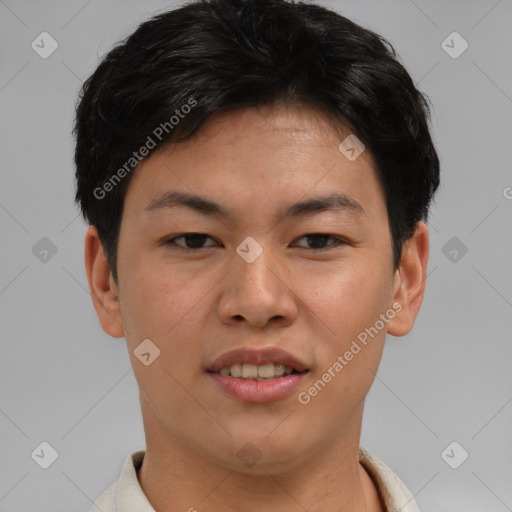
(195, 306)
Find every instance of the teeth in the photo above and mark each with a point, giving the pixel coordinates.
(279, 370)
(266, 371)
(249, 371)
(236, 370)
(258, 372)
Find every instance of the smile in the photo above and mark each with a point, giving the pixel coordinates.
(258, 375)
(257, 372)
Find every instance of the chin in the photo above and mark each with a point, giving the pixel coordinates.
(257, 454)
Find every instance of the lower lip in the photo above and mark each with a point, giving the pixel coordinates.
(258, 390)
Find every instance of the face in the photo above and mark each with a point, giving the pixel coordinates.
(314, 281)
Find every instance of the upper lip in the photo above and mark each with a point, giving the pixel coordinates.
(257, 356)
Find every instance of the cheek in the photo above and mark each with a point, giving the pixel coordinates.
(166, 305)
(154, 296)
(345, 300)
(164, 310)
(347, 304)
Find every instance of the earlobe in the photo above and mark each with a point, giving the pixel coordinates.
(103, 290)
(410, 280)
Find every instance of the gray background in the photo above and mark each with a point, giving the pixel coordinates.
(63, 381)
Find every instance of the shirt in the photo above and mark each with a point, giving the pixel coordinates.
(126, 494)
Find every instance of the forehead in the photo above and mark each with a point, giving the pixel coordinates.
(257, 160)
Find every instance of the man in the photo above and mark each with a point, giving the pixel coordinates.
(256, 176)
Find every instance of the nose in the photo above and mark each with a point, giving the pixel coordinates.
(259, 292)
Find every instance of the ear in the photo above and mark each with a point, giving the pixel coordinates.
(102, 287)
(410, 280)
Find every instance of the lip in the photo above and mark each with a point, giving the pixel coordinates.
(258, 391)
(258, 356)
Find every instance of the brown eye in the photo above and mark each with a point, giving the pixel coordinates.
(318, 240)
(193, 241)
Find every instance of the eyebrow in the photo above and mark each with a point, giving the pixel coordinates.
(331, 202)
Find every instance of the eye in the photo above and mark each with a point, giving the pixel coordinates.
(321, 239)
(195, 240)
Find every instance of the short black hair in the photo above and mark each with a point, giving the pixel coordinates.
(180, 67)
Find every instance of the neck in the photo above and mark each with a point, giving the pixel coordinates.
(175, 477)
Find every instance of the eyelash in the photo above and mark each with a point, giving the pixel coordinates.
(171, 241)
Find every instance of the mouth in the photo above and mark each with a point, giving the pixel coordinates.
(257, 364)
(257, 375)
(248, 371)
